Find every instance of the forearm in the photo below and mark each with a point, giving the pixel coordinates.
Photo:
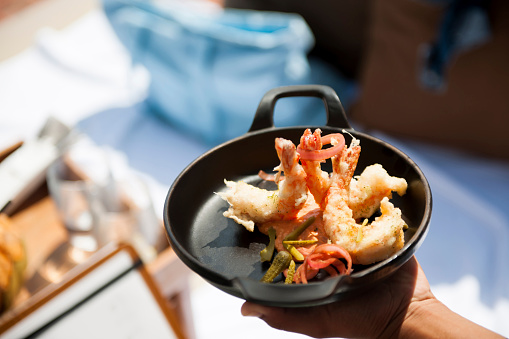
(432, 319)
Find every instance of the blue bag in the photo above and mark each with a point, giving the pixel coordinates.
(210, 69)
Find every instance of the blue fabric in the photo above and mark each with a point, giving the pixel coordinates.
(209, 71)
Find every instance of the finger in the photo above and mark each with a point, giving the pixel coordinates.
(252, 310)
(300, 320)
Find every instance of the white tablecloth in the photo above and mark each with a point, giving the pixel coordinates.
(83, 76)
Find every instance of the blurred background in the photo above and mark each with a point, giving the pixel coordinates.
(158, 83)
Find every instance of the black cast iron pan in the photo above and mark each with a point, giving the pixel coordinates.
(227, 255)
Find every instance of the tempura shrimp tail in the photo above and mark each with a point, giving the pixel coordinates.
(317, 180)
(344, 165)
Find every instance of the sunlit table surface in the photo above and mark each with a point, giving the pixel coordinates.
(83, 76)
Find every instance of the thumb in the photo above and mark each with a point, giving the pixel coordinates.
(253, 310)
(298, 320)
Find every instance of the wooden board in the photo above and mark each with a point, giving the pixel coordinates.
(112, 296)
(37, 222)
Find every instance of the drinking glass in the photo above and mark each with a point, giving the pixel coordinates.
(99, 200)
(75, 199)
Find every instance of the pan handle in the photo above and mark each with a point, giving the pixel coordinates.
(336, 116)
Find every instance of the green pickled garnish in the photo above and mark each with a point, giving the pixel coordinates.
(291, 273)
(298, 231)
(300, 242)
(294, 252)
(279, 264)
(267, 252)
(294, 235)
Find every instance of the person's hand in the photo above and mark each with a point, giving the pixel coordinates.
(378, 312)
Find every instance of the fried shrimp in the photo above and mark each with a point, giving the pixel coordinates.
(340, 204)
(365, 243)
(317, 180)
(368, 190)
(250, 205)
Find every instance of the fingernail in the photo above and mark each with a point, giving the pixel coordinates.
(249, 310)
(252, 314)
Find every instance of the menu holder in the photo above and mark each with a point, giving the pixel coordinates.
(113, 296)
